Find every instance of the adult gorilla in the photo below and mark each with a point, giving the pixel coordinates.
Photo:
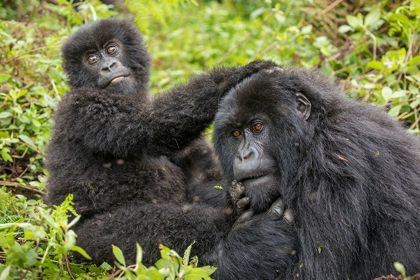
(349, 173)
(112, 142)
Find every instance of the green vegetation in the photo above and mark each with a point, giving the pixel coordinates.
(371, 48)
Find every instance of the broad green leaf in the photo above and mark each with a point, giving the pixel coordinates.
(375, 65)
(344, 28)
(105, 266)
(4, 78)
(372, 17)
(118, 254)
(353, 22)
(81, 251)
(386, 93)
(27, 140)
(196, 274)
(414, 60)
(399, 93)
(209, 269)
(54, 74)
(395, 111)
(4, 275)
(4, 115)
(5, 155)
(400, 18)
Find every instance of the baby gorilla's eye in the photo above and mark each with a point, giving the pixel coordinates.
(111, 49)
(257, 127)
(236, 133)
(92, 58)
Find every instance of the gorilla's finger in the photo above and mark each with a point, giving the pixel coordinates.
(246, 215)
(289, 217)
(237, 190)
(277, 207)
(242, 203)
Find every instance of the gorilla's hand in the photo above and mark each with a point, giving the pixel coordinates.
(237, 195)
(279, 208)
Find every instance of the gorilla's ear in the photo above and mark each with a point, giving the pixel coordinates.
(303, 106)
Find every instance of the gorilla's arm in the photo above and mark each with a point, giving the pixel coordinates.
(264, 247)
(181, 116)
(175, 226)
(121, 124)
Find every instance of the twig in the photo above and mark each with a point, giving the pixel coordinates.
(68, 266)
(13, 184)
(327, 9)
(114, 274)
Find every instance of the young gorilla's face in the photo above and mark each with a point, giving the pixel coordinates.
(115, 60)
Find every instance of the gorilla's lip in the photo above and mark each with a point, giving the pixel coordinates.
(116, 79)
(253, 177)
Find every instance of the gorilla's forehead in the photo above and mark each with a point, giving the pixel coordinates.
(95, 35)
(251, 99)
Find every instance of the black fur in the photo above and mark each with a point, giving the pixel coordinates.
(350, 174)
(112, 145)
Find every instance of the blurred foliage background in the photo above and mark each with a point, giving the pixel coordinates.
(371, 47)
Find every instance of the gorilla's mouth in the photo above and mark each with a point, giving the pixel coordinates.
(116, 79)
(254, 178)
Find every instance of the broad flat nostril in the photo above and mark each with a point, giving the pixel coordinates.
(248, 156)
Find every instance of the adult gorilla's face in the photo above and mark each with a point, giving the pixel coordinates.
(115, 60)
(255, 136)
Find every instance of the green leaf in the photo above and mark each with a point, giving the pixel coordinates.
(375, 65)
(415, 60)
(81, 251)
(344, 28)
(4, 78)
(4, 275)
(187, 254)
(400, 18)
(386, 93)
(399, 93)
(54, 74)
(353, 22)
(4, 134)
(395, 111)
(27, 140)
(5, 155)
(105, 266)
(209, 269)
(196, 274)
(139, 256)
(118, 254)
(372, 17)
(4, 115)
(400, 268)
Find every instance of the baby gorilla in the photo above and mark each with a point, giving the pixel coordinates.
(349, 173)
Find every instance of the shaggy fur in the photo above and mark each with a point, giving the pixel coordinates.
(112, 149)
(350, 173)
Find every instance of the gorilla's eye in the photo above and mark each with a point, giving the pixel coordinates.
(236, 133)
(111, 49)
(257, 127)
(92, 58)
